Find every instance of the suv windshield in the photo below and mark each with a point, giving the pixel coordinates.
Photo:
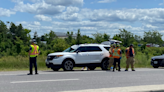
(68, 49)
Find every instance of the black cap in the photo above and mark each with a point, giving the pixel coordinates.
(131, 44)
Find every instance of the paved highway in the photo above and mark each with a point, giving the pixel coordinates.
(143, 79)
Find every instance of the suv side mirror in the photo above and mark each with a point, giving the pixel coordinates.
(77, 51)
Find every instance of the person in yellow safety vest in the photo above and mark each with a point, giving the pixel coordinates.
(117, 54)
(33, 53)
(130, 57)
(111, 59)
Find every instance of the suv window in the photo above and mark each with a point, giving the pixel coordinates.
(107, 48)
(93, 48)
(81, 49)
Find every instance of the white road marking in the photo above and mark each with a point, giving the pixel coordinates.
(7, 74)
(43, 81)
(146, 88)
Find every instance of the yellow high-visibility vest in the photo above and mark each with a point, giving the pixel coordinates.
(34, 51)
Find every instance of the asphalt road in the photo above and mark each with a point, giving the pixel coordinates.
(83, 81)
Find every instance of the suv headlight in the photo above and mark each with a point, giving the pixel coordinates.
(53, 57)
(57, 56)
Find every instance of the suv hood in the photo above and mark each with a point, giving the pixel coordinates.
(58, 53)
(158, 57)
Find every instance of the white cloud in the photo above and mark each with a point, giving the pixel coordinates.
(71, 14)
(72, 17)
(47, 27)
(65, 2)
(6, 12)
(39, 8)
(35, 26)
(106, 1)
(154, 15)
(71, 10)
(43, 18)
(37, 23)
(149, 26)
(92, 27)
(160, 3)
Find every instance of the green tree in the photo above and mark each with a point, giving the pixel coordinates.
(69, 39)
(153, 37)
(98, 37)
(51, 36)
(59, 45)
(125, 36)
(87, 39)
(106, 37)
(78, 39)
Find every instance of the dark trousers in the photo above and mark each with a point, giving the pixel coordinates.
(115, 61)
(33, 62)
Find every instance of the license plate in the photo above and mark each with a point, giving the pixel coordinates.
(155, 62)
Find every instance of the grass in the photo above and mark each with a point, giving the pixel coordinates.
(11, 63)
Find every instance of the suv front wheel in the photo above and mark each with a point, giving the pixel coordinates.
(104, 64)
(68, 65)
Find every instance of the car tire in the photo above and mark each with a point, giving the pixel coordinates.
(92, 68)
(68, 65)
(155, 66)
(55, 69)
(104, 64)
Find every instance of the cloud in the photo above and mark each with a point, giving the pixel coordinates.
(106, 1)
(65, 2)
(6, 12)
(35, 26)
(35, 23)
(39, 8)
(71, 14)
(43, 18)
(154, 15)
(160, 3)
(71, 10)
(72, 17)
(92, 27)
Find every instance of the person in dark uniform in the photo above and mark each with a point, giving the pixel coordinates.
(33, 53)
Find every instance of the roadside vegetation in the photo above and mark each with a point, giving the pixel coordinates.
(15, 41)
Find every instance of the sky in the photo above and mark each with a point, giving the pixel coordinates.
(90, 16)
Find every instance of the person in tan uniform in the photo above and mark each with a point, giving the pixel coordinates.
(111, 59)
(130, 57)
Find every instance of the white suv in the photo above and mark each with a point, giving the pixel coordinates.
(90, 55)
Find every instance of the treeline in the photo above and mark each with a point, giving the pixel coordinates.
(15, 40)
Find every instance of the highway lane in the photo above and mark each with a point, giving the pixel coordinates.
(49, 81)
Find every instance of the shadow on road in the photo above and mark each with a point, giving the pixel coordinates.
(71, 71)
(155, 91)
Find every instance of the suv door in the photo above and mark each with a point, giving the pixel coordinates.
(82, 56)
(95, 54)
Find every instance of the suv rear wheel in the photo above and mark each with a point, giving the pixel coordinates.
(68, 65)
(104, 64)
